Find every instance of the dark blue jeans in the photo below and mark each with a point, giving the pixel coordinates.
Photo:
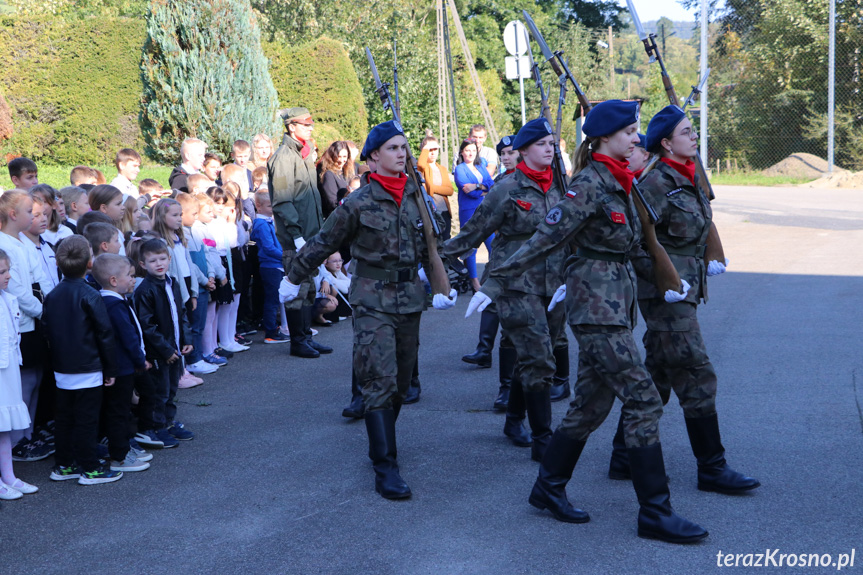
(271, 278)
(165, 378)
(198, 319)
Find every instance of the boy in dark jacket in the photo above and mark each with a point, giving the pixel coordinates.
(166, 338)
(79, 333)
(116, 275)
(271, 271)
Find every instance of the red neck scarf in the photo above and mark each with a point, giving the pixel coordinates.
(393, 186)
(619, 169)
(508, 172)
(638, 174)
(686, 170)
(307, 149)
(543, 178)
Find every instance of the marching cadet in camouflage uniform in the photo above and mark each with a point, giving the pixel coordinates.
(598, 214)
(513, 208)
(297, 215)
(676, 355)
(383, 224)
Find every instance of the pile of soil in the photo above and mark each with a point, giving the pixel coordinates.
(838, 179)
(802, 166)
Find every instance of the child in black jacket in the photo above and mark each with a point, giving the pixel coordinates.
(166, 337)
(115, 274)
(79, 333)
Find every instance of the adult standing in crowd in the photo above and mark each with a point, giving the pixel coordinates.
(473, 182)
(514, 207)
(192, 152)
(599, 216)
(488, 156)
(438, 184)
(676, 355)
(334, 170)
(262, 149)
(297, 215)
(387, 294)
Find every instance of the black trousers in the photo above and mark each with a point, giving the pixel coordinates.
(76, 428)
(116, 415)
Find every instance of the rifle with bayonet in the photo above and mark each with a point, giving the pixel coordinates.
(437, 275)
(666, 274)
(557, 164)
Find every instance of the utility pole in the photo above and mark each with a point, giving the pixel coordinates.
(704, 72)
(831, 88)
(611, 53)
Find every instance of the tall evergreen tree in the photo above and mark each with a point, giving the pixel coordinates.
(204, 75)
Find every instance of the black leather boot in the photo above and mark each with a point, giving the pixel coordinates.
(618, 468)
(656, 518)
(506, 358)
(308, 312)
(538, 404)
(515, 413)
(488, 325)
(555, 471)
(560, 384)
(381, 427)
(714, 474)
(413, 394)
(299, 341)
(357, 407)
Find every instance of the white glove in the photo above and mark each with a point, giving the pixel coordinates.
(558, 297)
(440, 301)
(715, 267)
(288, 291)
(478, 302)
(299, 243)
(672, 296)
(424, 278)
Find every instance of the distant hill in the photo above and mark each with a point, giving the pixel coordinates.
(684, 30)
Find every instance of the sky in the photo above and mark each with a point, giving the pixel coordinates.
(655, 9)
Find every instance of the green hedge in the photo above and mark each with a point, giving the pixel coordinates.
(73, 87)
(320, 76)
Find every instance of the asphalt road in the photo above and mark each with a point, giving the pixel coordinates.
(278, 482)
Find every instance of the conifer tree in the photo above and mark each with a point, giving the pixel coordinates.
(204, 75)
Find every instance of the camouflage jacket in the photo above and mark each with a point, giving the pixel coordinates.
(684, 221)
(512, 210)
(597, 215)
(382, 235)
(294, 193)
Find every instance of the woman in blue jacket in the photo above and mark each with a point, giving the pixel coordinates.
(473, 182)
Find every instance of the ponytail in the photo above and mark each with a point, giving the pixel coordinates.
(582, 155)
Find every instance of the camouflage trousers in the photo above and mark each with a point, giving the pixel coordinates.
(532, 330)
(385, 353)
(676, 356)
(306, 297)
(609, 366)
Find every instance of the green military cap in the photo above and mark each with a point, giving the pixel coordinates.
(297, 114)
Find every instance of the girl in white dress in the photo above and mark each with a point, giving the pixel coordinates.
(13, 413)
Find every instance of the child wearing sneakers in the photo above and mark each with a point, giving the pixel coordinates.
(202, 233)
(83, 354)
(271, 270)
(13, 410)
(166, 336)
(116, 276)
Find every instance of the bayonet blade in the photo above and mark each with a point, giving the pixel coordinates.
(534, 31)
(636, 20)
(696, 90)
(374, 68)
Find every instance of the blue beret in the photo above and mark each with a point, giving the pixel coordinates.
(379, 135)
(662, 125)
(608, 117)
(531, 132)
(642, 141)
(505, 142)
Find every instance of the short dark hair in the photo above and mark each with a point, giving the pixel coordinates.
(98, 233)
(125, 155)
(20, 166)
(90, 217)
(154, 246)
(73, 256)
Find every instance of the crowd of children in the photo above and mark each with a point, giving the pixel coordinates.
(114, 296)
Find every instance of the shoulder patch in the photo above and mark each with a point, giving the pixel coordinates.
(672, 192)
(571, 194)
(553, 216)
